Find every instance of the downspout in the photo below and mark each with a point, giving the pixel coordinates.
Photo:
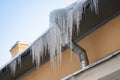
(81, 53)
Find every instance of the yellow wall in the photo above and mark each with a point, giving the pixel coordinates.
(99, 44)
(104, 41)
(18, 48)
(45, 72)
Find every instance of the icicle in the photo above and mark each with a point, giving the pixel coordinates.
(19, 60)
(13, 67)
(96, 6)
(54, 43)
(77, 16)
(38, 51)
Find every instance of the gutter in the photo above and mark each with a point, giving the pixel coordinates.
(107, 58)
(81, 54)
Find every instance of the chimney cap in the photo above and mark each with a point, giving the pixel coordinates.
(18, 42)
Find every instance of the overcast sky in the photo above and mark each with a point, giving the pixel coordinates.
(24, 20)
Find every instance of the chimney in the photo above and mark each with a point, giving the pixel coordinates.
(18, 47)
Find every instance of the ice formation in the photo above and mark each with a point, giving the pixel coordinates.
(61, 27)
(19, 60)
(59, 34)
(13, 65)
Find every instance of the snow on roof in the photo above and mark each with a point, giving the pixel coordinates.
(58, 35)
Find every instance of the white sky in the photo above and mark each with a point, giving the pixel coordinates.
(24, 20)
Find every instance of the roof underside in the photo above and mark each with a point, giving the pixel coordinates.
(108, 9)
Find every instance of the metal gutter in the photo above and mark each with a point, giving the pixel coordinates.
(107, 58)
(81, 54)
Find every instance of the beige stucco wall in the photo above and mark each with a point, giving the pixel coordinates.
(104, 41)
(99, 44)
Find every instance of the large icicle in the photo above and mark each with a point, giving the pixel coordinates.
(50, 41)
(60, 33)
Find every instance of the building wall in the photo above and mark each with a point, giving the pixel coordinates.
(103, 41)
(18, 48)
(99, 44)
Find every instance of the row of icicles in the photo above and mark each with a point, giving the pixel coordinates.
(59, 34)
